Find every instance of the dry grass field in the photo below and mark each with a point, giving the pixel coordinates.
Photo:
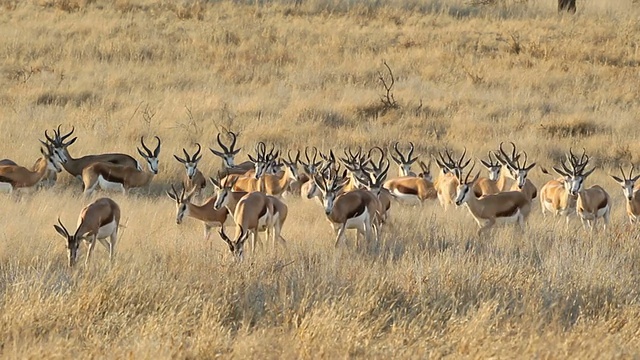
(307, 74)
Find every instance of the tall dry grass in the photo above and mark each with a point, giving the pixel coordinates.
(306, 73)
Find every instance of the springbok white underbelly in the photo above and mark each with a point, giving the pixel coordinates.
(107, 229)
(5, 187)
(264, 221)
(108, 185)
(359, 221)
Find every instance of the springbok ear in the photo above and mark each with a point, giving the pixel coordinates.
(70, 142)
(588, 172)
(528, 168)
(170, 195)
(618, 180)
(635, 178)
(560, 172)
(61, 231)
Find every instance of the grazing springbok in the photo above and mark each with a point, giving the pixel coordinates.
(97, 221)
(194, 180)
(14, 176)
(206, 212)
(75, 166)
(228, 155)
(404, 162)
(255, 211)
(631, 194)
(118, 177)
(357, 209)
(503, 207)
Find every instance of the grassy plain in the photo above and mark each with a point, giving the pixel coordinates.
(307, 74)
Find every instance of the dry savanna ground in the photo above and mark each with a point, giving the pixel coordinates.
(307, 73)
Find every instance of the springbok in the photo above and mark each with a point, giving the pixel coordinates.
(517, 172)
(15, 176)
(97, 221)
(413, 188)
(449, 179)
(75, 166)
(492, 184)
(254, 211)
(118, 177)
(297, 178)
(310, 168)
(194, 180)
(503, 207)
(228, 155)
(210, 216)
(559, 196)
(631, 194)
(357, 209)
(374, 183)
(404, 162)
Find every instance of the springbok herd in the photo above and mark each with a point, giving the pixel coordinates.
(353, 190)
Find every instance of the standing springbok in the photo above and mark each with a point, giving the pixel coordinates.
(228, 155)
(449, 179)
(492, 184)
(357, 209)
(76, 166)
(517, 173)
(404, 162)
(97, 221)
(559, 196)
(194, 180)
(310, 168)
(630, 191)
(206, 212)
(504, 207)
(118, 177)
(15, 176)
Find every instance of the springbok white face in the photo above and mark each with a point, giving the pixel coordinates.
(465, 189)
(330, 189)
(149, 156)
(182, 201)
(516, 171)
(223, 190)
(627, 182)
(404, 162)
(72, 243)
(493, 167)
(227, 154)
(292, 165)
(264, 163)
(58, 143)
(574, 177)
(52, 158)
(450, 165)
(190, 162)
(236, 247)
